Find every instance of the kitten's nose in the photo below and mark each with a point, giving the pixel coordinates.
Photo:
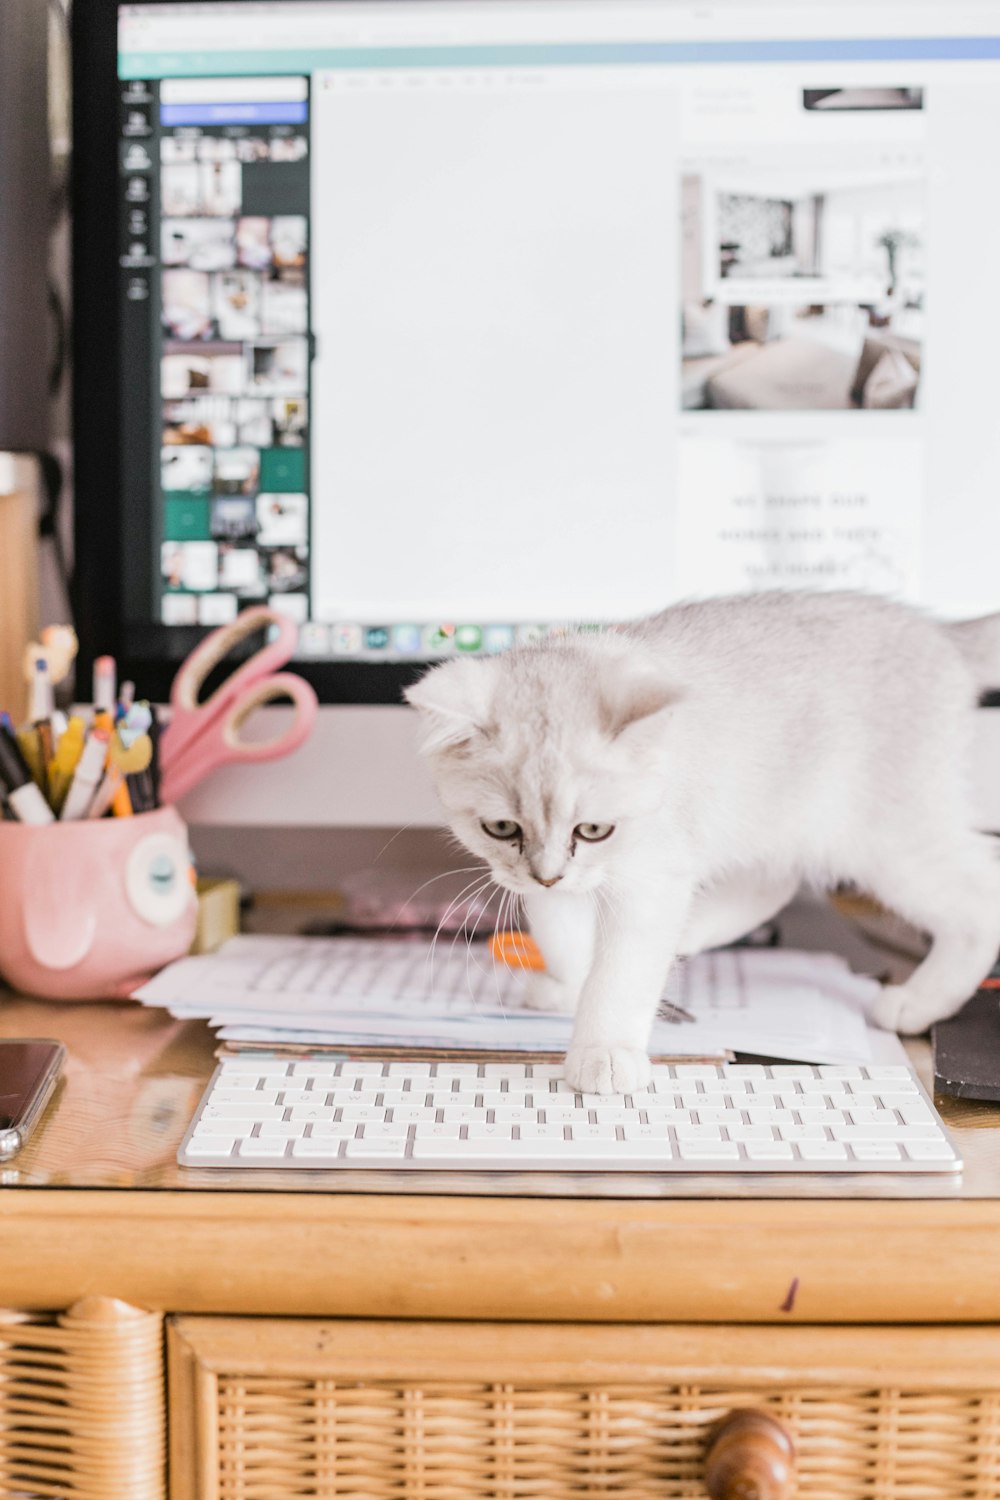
(551, 881)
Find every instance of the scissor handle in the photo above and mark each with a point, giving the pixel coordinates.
(217, 646)
(278, 685)
(223, 743)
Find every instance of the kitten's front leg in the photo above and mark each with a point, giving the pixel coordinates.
(638, 940)
(562, 925)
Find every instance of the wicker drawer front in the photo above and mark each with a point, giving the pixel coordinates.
(82, 1404)
(264, 1409)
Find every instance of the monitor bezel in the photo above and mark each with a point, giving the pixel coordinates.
(101, 533)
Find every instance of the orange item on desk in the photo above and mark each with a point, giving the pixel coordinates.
(517, 950)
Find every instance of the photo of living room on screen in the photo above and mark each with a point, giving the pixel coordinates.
(802, 284)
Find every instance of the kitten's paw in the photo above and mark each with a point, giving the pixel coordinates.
(607, 1070)
(542, 992)
(897, 1008)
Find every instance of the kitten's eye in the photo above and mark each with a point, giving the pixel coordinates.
(593, 833)
(503, 828)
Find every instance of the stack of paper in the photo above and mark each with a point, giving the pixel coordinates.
(357, 992)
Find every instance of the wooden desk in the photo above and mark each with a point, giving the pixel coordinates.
(413, 1338)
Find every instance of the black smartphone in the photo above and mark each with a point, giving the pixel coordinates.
(29, 1071)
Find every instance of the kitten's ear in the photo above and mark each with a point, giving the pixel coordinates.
(455, 702)
(633, 697)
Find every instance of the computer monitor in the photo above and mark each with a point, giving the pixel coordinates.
(441, 324)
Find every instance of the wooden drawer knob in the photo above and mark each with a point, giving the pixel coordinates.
(752, 1457)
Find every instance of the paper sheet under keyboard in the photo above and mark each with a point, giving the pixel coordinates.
(358, 991)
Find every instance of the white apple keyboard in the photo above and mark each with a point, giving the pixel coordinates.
(522, 1117)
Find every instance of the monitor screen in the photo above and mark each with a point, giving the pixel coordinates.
(448, 325)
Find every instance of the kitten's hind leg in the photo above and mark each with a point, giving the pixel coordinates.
(726, 911)
(562, 924)
(953, 894)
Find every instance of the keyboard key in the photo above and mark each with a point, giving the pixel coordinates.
(243, 1112)
(514, 1115)
(324, 1070)
(822, 1150)
(853, 1133)
(719, 1116)
(645, 1132)
(915, 1112)
(750, 1133)
(383, 1149)
(842, 1070)
(445, 1071)
(656, 1116)
(938, 1150)
(388, 1130)
(815, 1115)
(287, 1129)
(758, 1116)
(314, 1111)
(317, 1145)
(585, 1132)
(244, 1096)
(210, 1145)
(694, 1070)
(482, 1131)
(791, 1070)
(246, 1065)
(802, 1132)
(410, 1114)
(895, 1088)
(708, 1150)
(457, 1116)
(300, 1096)
(263, 1147)
(744, 1070)
(561, 1114)
(409, 1070)
(342, 1130)
(476, 1149)
(219, 1128)
(541, 1132)
(698, 1132)
(362, 1069)
(613, 1114)
(871, 1116)
(423, 1132)
(876, 1151)
(888, 1070)
(769, 1151)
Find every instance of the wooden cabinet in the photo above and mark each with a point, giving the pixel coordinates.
(268, 1408)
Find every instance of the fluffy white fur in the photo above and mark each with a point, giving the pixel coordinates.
(739, 747)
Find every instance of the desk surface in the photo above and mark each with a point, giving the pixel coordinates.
(594, 1247)
(134, 1076)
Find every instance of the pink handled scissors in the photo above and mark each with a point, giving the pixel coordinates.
(204, 735)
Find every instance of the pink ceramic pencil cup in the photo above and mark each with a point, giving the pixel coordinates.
(90, 910)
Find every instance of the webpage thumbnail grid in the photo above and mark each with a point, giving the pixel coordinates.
(234, 370)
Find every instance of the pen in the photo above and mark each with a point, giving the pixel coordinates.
(42, 700)
(89, 771)
(106, 792)
(65, 761)
(8, 732)
(105, 683)
(31, 753)
(23, 797)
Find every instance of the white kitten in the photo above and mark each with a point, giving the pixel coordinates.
(662, 788)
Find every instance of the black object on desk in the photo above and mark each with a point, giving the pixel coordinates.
(967, 1049)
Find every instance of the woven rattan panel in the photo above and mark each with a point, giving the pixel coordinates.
(82, 1404)
(455, 1441)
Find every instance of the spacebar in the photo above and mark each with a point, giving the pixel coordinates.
(524, 1154)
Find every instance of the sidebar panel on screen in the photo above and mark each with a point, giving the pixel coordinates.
(217, 332)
